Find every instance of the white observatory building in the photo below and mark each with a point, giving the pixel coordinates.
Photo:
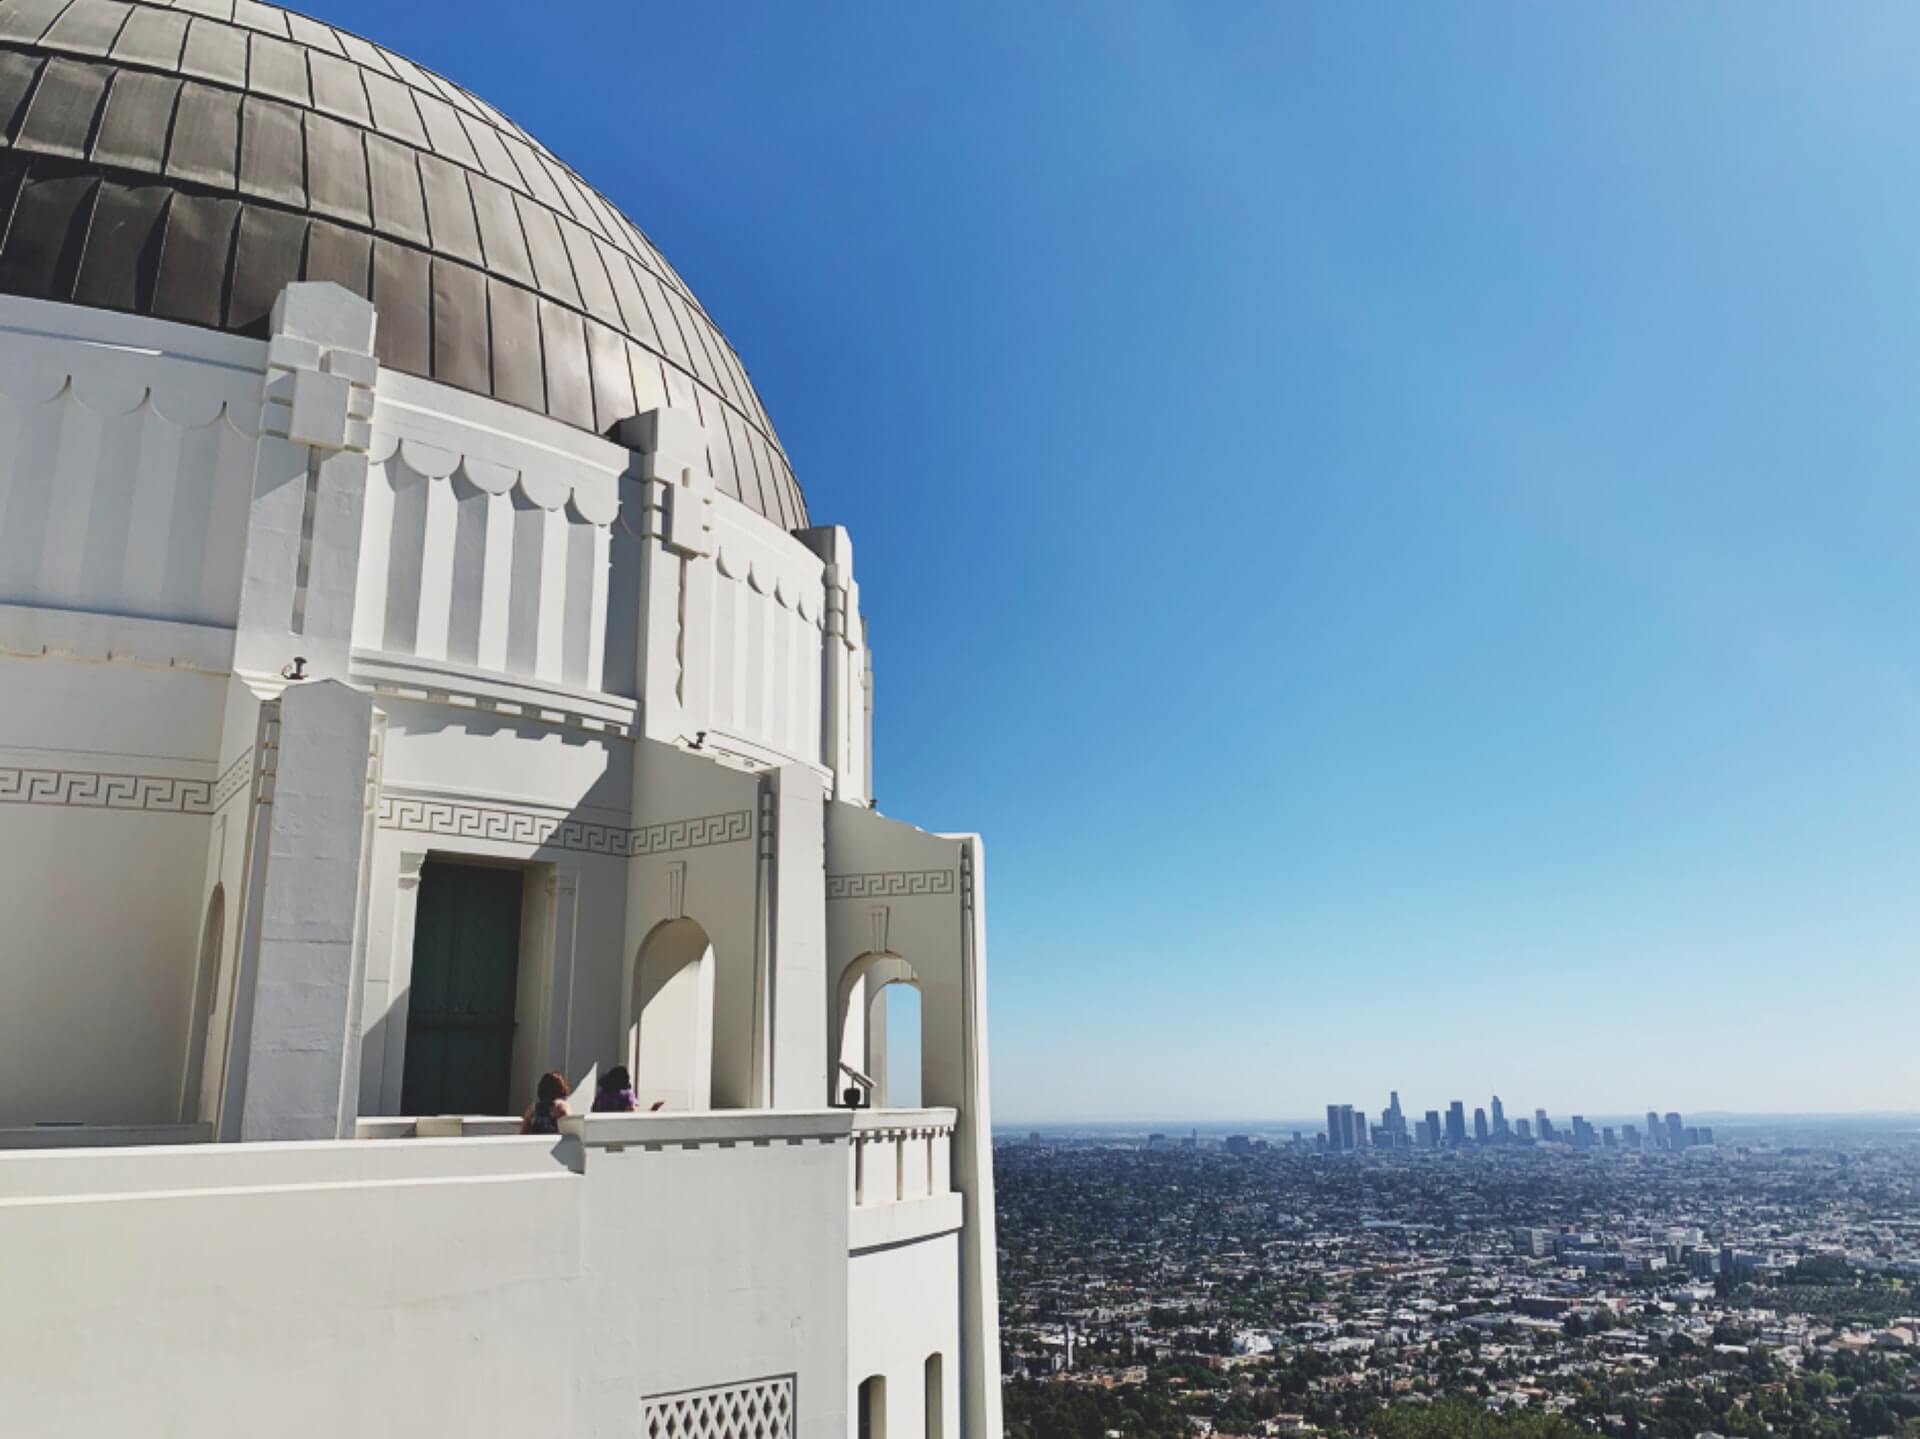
(419, 671)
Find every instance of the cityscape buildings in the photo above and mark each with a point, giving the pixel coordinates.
(1347, 1130)
(1763, 1287)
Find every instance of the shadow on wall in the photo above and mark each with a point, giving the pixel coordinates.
(669, 1029)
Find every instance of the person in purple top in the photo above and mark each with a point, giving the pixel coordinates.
(615, 1094)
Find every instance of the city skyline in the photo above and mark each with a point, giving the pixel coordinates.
(1349, 1128)
(1011, 1120)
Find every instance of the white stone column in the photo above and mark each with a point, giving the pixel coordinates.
(406, 907)
(797, 933)
(672, 514)
(296, 601)
(305, 932)
(563, 899)
(846, 719)
(310, 475)
(980, 1416)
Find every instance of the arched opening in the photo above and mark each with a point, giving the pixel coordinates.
(670, 1018)
(898, 1065)
(194, 1100)
(877, 1039)
(873, 1408)
(936, 1393)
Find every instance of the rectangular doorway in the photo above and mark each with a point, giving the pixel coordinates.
(466, 979)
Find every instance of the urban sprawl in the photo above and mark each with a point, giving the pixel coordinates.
(1452, 1278)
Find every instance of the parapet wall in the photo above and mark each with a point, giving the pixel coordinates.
(468, 1286)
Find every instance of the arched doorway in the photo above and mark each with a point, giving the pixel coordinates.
(669, 1031)
(864, 1038)
(194, 1100)
(896, 1024)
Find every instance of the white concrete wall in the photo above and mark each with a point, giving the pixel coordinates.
(413, 1288)
(696, 855)
(109, 789)
(714, 1263)
(474, 1286)
(126, 455)
(478, 785)
(899, 897)
(903, 1304)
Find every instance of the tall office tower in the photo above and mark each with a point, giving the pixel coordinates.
(1358, 1119)
(1456, 1124)
(1396, 1122)
(1629, 1136)
(1656, 1135)
(1336, 1128)
(1421, 1138)
(1582, 1132)
(1542, 1126)
(1523, 1131)
(1608, 1139)
(1706, 1135)
(1480, 1130)
(1434, 1131)
(1676, 1132)
(1500, 1130)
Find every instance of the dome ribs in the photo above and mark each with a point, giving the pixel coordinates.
(150, 147)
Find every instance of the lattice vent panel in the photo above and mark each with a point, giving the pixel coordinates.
(759, 1409)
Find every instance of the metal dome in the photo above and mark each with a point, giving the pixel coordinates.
(187, 158)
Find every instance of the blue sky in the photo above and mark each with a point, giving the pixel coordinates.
(1397, 522)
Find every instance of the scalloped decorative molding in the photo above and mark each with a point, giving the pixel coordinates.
(185, 406)
(549, 488)
(770, 579)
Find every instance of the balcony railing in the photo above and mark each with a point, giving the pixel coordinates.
(900, 1155)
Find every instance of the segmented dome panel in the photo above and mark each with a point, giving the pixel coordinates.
(187, 158)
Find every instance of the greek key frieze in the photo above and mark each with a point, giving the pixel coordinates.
(693, 833)
(89, 789)
(462, 820)
(890, 884)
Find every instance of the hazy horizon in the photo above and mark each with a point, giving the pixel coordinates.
(1174, 1124)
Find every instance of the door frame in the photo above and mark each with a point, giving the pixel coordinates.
(533, 1032)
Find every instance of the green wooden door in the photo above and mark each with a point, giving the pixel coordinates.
(466, 962)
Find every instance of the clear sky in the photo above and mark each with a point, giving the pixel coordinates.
(1398, 522)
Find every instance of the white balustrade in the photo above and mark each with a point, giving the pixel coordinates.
(900, 1155)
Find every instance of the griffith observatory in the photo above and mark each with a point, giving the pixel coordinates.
(420, 673)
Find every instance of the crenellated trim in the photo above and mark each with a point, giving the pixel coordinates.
(439, 682)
